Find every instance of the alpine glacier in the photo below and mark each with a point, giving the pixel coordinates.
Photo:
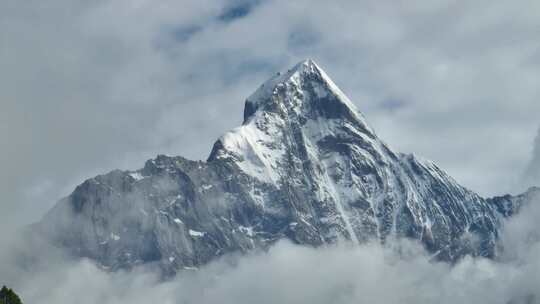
(304, 166)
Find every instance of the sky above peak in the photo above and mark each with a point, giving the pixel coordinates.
(87, 87)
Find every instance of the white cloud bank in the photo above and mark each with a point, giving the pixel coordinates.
(289, 273)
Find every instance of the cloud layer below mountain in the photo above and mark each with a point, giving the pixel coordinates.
(288, 273)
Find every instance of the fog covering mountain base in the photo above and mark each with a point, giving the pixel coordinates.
(304, 166)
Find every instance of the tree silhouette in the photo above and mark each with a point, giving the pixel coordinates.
(8, 296)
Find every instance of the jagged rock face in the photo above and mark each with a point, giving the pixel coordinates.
(303, 166)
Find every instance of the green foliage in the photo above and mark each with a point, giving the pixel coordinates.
(8, 296)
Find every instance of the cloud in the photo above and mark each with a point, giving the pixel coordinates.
(237, 10)
(287, 273)
(531, 175)
(88, 87)
(399, 272)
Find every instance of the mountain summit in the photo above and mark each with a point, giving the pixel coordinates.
(304, 166)
(286, 92)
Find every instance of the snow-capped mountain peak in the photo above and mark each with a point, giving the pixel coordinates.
(304, 166)
(306, 87)
(299, 108)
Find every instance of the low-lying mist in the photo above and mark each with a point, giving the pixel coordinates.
(287, 273)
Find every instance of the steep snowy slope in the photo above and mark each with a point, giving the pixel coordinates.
(304, 166)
